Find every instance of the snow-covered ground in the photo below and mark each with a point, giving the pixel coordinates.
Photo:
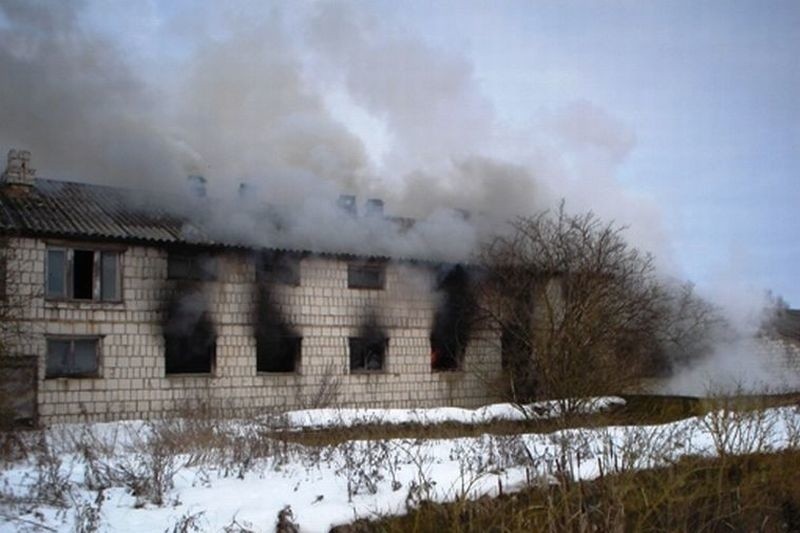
(335, 484)
(325, 418)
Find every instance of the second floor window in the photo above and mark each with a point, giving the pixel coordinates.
(191, 266)
(278, 267)
(82, 274)
(366, 274)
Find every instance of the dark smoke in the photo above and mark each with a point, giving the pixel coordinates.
(453, 321)
(277, 343)
(189, 334)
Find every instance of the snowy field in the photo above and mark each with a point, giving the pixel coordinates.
(241, 481)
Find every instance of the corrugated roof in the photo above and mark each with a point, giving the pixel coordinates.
(65, 209)
(60, 208)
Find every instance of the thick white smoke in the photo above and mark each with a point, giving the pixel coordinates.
(247, 93)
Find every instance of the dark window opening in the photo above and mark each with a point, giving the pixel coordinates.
(191, 266)
(278, 267)
(367, 354)
(71, 358)
(190, 343)
(82, 274)
(278, 354)
(277, 343)
(366, 275)
(452, 322)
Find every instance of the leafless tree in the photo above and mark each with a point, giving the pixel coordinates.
(581, 311)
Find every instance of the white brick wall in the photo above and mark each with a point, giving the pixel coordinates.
(132, 382)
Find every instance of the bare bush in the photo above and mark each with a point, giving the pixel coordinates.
(188, 523)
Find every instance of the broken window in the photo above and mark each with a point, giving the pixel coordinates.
(278, 354)
(278, 267)
(190, 266)
(366, 274)
(72, 357)
(367, 353)
(190, 343)
(82, 274)
(452, 322)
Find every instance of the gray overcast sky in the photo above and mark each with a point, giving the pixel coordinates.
(680, 118)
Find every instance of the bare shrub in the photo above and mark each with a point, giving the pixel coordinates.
(52, 485)
(361, 463)
(88, 514)
(738, 429)
(326, 391)
(188, 523)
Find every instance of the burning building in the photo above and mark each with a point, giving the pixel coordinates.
(130, 310)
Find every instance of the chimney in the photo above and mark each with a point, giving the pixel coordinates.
(197, 185)
(347, 203)
(18, 170)
(373, 208)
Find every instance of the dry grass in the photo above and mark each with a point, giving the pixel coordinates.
(748, 493)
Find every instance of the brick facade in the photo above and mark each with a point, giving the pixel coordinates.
(132, 382)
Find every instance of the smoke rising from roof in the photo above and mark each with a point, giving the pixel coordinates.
(248, 93)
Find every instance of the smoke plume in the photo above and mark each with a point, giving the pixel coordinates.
(263, 94)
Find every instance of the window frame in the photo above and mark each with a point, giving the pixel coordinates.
(98, 251)
(72, 339)
(356, 269)
(364, 369)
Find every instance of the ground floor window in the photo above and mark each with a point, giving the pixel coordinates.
(72, 357)
(190, 341)
(278, 354)
(367, 354)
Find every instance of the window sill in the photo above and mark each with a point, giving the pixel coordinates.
(267, 373)
(359, 372)
(180, 375)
